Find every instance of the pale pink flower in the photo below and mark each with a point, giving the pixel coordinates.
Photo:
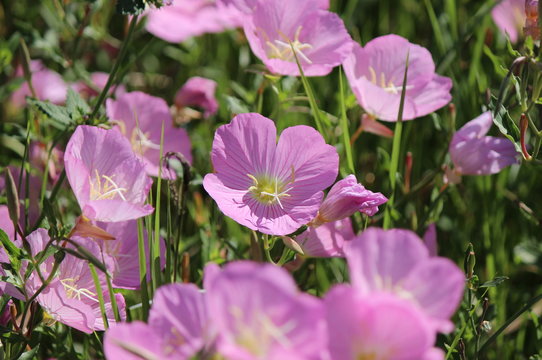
(139, 117)
(265, 186)
(327, 240)
(376, 73)
(200, 92)
(187, 18)
(398, 262)
(345, 198)
(430, 239)
(318, 37)
(108, 179)
(473, 153)
(509, 15)
(71, 298)
(98, 81)
(380, 326)
(47, 84)
(177, 328)
(247, 6)
(258, 313)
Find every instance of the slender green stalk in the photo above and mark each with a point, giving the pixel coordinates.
(116, 67)
(344, 127)
(156, 276)
(267, 248)
(54, 193)
(396, 151)
(100, 294)
(142, 269)
(112, 298)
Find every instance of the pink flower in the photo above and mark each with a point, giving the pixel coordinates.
(345, 198)
(108, 179)
(327, 240)
(200, 92)
(376, 72)
(247, 6)
(317, 36)
(380, 326)
(473, 153)
(71, 297)
(509, 15)
(140, 117)
(265, 186)
(430, 240)
(47, 84)
(258, 313)
(397, 261)
(187, 18)
(176, 330)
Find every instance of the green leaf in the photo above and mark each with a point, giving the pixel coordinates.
(12, 250)
(29, 354)
(59, 114)
(130, 7)
(506, 125)
(76, 106)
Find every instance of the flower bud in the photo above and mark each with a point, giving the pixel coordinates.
(345, 198)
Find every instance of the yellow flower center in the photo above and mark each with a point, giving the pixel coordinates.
(268, 190)
(389, 85)
(72, 291)
(285, 49)
(103, 187)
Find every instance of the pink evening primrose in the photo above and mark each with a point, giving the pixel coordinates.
(71, 297)
(108, 179)
(280, 30)
(139, 117)
(265, 186)
(509, 15)
(327, 240)
(187, 18)
(247, 6)
(47, 84)
(397, 261)
(473, 153)
(258, 313)
(200, 92)
(345, 198)
(376, 72)
(177, 328)
(379, 327)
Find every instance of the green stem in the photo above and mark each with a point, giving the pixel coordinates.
(142, 269)
(100, 294)
(267, 249)
(110, 80)
(344, 126)
(156, 275)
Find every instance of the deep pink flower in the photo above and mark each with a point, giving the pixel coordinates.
(327, 240)
(265, 186)
(398, 262)
(258, 313)
(139, 117)
(108, 179)
(380, 326)
(71, 297)
(47, 84)
(318, 37)
(473, 153)
(200, 92)
(345, 198)
(187, 18)
(376, 72)
(509, 15)
(177, 328)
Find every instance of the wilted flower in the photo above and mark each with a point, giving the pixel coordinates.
(47, 84)
(376, 73)
(380, 326)
(345, 198)
(397, 261)
(317, 37)
(265, 186)
(139, 117)
(187, 18)
(473, 153)
(200, 92)
(509, 15)
(258, 313)
(177, 328)
(108, 179)
(327, 240)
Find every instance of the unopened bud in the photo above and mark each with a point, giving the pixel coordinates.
(470, 261)
(84, 228)
(292, 244)
(523, 124)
